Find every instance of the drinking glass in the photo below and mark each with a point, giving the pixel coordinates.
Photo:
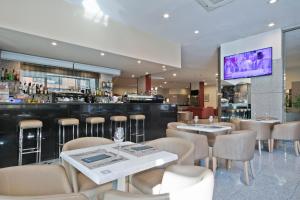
(119, 137)
(211, 119)
(196, 119)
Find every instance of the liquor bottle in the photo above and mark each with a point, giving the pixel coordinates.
(29, 90)
(33, 89)
(2, 74)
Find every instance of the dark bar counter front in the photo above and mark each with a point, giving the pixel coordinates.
(157, 117)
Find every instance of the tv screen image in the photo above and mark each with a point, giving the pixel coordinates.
(248, 64)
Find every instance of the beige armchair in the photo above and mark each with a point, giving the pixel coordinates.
(117, 195)
(149, 181)
(173, 125)
(186, 182)
(36, 182)
(237, 123)
(238, 146)
(263, 131)
(199, 141)
(288, 131)
(79, 181)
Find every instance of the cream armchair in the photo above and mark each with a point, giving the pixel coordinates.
(263, 131)
(149, 181)
(36, 182)
(186, 182)
(117, 195)
(199, 141)
(237, 123)
(173, 125)
(238, 146)
(79, 181)
(288, 131)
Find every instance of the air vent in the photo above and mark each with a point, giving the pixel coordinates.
(210, 5)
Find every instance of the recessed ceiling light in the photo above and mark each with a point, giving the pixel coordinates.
(165, 82)
(163, 66)
(217, 74)
(139, 62)
(272, 1)
(271, 24)
(166, 15)
(205, 83)
(102, 54)
(147, 73)
(132, 76)
(164, 69)
(54, 43)
(174, 74)
(196, 31)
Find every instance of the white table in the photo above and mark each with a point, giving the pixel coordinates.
(205, 128)
(118, 171)
(266, 121)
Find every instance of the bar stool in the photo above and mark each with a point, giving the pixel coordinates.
(96, 121)
(137, 118)
(30, 124)
(62, 124)
(118, 119)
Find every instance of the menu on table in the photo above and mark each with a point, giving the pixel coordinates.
(138, 150)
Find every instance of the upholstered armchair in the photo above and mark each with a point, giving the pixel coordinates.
(79, 181)
(263, 131)
(237, 123)
(149, 181)
(117, 195)
(186, 182)
(173, 125)
(238, 146)
(36, 182)
(199, 141)
(288, 131)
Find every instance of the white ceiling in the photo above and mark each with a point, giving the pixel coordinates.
(239, 19)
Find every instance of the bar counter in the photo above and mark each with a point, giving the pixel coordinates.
(157, 117)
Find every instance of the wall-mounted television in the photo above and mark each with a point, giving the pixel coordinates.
(248, 64)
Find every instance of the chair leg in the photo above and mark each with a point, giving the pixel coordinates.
(259, 147)
(296, 148)
(251, 168)
(214, 167)
(228, 164)
(206, 161)
(246, 172)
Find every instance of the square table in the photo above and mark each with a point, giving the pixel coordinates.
(208, 128)
(266, 121)
(117, 171)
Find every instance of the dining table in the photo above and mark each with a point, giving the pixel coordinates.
(206, 128)
(114, 162)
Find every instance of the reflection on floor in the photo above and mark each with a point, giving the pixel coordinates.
(277, 177)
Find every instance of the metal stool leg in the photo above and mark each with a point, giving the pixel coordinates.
(103, 129)
(63, 139)
(73, 132)
(130, 131)
(37, 145)
(97, 130)
(136, 130)
(20, 146)
(59, 139)
(111, 129)
(143, 130)
(40, 147)
(92, 135)
(86, 129)
(125, 130)
(78, 131)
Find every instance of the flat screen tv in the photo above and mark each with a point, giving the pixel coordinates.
(248, 64)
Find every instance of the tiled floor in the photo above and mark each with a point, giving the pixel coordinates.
(277, 177)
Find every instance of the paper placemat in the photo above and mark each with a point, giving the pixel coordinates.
(138, 150)
(97, 158)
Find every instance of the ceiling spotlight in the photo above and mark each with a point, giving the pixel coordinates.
(147, 73)
(102, 54)
(163, 66)
(54, 43)
(166, 15)
(165, 82)
(217, 74)
(174, 74)
(271, 24)
(272, 1)
(196, 31)
(132, 76)
(139, 62)
(205, 83)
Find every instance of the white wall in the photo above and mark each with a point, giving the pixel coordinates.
(267, 91)
(61, 21)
